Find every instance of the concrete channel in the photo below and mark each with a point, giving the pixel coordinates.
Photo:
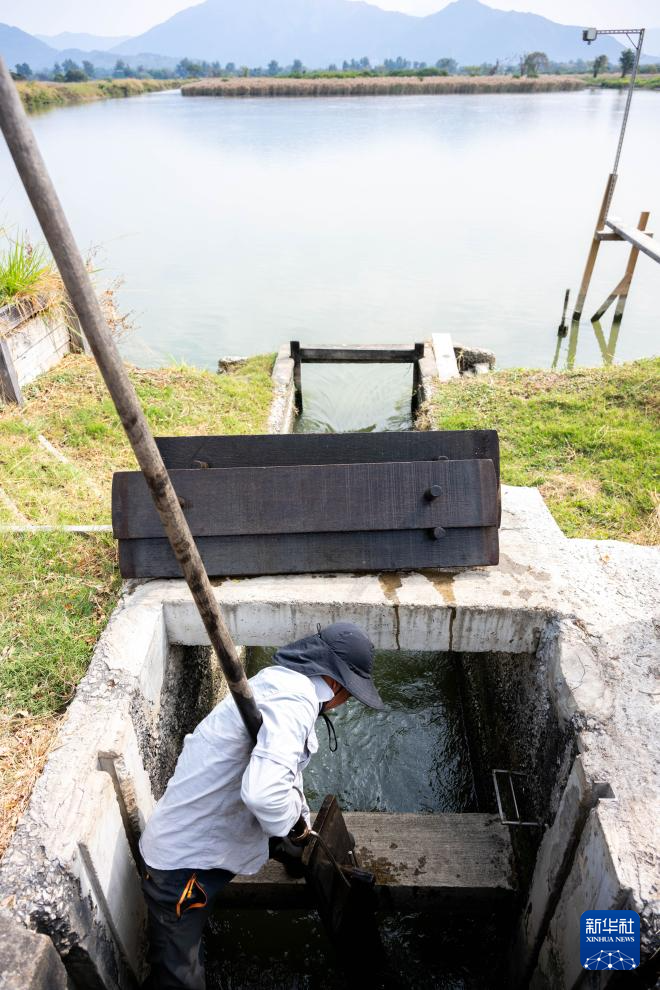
(557, 654)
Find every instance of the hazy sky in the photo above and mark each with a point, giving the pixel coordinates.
(135, 16)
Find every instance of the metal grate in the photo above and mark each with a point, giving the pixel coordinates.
(509, 774)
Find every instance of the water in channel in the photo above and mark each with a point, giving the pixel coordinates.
(412, 757)
(355, 398)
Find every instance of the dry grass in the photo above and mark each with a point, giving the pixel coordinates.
(25, 742)
(379, 86)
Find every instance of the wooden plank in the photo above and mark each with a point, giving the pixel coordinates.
(347, 908)
(420, 861)
(328, 448)
(251, 556)
(10, 390)
(360, 355)
(297, 382)
(644, 242)
(314, 498)
(445, 358)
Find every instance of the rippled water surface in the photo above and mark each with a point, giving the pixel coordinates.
(240, 224)
(411, 757)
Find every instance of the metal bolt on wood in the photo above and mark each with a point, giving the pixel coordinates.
(41, 192)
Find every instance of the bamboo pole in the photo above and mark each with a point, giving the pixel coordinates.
(41, 192)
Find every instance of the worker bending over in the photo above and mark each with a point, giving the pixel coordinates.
(226, 799)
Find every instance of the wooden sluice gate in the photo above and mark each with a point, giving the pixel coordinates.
(420, 861)
(360, 354)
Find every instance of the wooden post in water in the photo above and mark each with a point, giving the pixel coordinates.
(297, 375)
(623, 288)
(595, 245)
(46, 205)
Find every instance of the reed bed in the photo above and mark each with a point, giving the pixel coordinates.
(379, 86)
(37, 96)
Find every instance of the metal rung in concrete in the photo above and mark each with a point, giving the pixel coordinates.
(419, 860)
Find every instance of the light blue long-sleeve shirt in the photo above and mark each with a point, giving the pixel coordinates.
(226, 799)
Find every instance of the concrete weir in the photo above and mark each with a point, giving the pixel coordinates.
(557, 651)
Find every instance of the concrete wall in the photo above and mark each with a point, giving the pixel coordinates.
(36, 340)
(582, 609)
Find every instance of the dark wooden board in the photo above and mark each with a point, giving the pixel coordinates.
(314, 498)
(328, 448)
(420, 861)
(347, 909)
(360, 355)
(250, 556)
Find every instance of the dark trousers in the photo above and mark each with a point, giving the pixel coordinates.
(179, 904)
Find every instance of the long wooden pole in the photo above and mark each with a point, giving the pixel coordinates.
(41, 192)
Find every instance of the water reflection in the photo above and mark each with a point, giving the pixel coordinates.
(606, 346)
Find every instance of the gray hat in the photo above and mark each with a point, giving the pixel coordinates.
(341, 651)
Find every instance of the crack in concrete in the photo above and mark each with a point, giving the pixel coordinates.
(390, 583)
(452, 619)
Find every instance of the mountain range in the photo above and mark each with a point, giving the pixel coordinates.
(83, 42)
(319, 32)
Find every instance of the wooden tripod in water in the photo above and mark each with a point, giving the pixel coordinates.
(609, 229)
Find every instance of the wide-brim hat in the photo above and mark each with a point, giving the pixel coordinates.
(341, 651)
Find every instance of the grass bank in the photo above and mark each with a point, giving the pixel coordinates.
(589, 439)
(57, 589)
(37, 96)
(616, 82)
(378, 86)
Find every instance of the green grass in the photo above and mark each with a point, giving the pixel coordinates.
(25, 273)
(57, 589)
(71, 407)
(616, 82)
(589, 439)
(38, 96)
(56, 593)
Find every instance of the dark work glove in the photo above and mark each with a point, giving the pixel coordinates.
(284, 851)
(288, 849)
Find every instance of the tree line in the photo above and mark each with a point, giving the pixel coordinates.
(529, 64)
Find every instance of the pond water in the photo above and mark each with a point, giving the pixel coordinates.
(241, 224)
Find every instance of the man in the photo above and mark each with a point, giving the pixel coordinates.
(226, 799)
